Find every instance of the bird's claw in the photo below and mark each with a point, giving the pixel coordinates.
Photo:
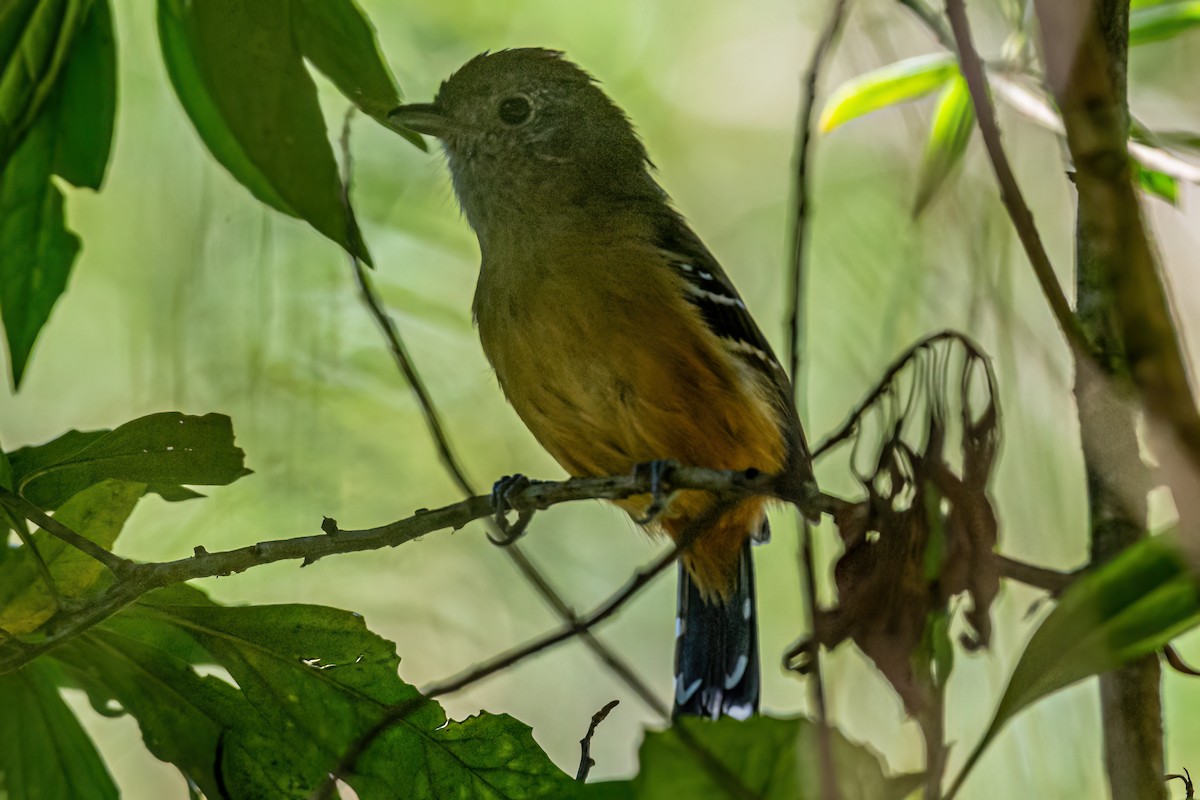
(503, 491)
(659, 473)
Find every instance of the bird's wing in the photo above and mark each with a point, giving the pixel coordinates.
(722, 308)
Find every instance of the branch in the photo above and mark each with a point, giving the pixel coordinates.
(138, 579)
(1051, 580)
(1010, 193)
(797, 283)
(114, 563)
(586, 762)
(796, 344)
(437, 431)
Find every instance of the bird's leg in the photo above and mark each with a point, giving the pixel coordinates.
(503, 491)
(659, 473)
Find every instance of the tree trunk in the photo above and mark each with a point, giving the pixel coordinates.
(1086, 48)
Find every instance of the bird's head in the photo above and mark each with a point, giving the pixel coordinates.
(529, 132)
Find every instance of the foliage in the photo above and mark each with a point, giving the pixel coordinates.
(264, 701)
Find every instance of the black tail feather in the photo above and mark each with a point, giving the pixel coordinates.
(716, 648)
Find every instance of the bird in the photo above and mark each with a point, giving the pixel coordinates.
(616, 335)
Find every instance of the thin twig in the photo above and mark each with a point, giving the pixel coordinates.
(1010, 192)
(850, 424)
(50, 525)
(437, 431)
(586, 762)
(797, 339)
(797, 277)
(931, 20)
(1052, 580)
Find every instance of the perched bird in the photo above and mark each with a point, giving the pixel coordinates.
(615, 334)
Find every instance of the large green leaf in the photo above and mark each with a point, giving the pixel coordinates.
(307, 681)
(44, 753)
(238, 68)
(164, 450)
(71, 138)
(1128, 608)
(1159, 22)
(87, 101)
(97, 513)
(886, 86)
(775, 759)
(185, 718)
(36, 249)
(320, 678)
(953, 122)
(35, 40)
(339, 40)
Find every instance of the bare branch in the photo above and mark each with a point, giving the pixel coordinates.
(797, 282)
(1010, 192)
(586, 762)
(796, 344)
(138, 579)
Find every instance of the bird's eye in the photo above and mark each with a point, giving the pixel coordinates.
(515, 110)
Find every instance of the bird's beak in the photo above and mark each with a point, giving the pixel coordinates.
(424, 118)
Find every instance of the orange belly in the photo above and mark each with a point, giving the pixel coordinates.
(631, 375)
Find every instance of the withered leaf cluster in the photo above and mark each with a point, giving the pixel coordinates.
(925, 531)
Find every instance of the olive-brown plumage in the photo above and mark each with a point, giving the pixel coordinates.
(614, 333)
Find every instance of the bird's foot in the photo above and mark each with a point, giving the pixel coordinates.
(503, 492)
(659, 474)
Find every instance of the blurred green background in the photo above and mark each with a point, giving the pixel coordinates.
(190, 295)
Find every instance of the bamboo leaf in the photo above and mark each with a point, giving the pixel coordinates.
(1157, 183)
(949, 134)
(1159, 22)
(1128, 608)
(895, 83)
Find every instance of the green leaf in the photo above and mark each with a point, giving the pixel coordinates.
(44, 753)
(339, 40)
(71, 138)
(1165, 21)
(268, 131)
(949, 133)
(6, 471)
(88, 99)
(1126, 609)
(895, 83)
(775, 759)
(320, 678)
(163, 450)
(36, 249)
(97, 513)
(184, 718)
(1157, 183)
(35, 40)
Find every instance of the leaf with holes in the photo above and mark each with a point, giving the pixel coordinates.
(165, 451)
(309, 681)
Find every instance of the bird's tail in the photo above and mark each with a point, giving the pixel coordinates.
(716, 648)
